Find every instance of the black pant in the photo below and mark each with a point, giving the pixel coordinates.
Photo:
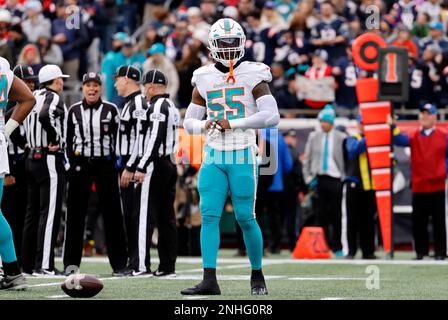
(46, 183)
(425, 205)
(83, 172)
(14, 201)
(156, 209)
(361, 208)
(327, 207)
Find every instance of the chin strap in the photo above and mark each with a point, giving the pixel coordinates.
(230, 77)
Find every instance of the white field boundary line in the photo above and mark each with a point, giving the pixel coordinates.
(269, 261)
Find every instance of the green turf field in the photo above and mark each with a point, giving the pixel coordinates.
(287, 278)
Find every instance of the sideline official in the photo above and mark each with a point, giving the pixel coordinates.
(127, 81)
(157, 173)
(91, 136)
(44, 128)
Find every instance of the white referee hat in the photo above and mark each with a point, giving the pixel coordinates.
(50, 72)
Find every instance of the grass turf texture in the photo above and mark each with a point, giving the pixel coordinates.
(287, 279)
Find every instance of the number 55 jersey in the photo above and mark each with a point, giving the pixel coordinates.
(229, 96)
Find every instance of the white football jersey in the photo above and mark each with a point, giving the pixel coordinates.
(231, 100)
(6, 78)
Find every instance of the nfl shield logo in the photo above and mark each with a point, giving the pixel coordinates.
(30, 71)
(92, 75)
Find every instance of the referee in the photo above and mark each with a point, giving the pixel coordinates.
(15, 183)
(44, 128)
(91, 136)
(127, 80)
(157, 173)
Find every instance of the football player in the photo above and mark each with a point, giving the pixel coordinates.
(235, 97)
(15, 89)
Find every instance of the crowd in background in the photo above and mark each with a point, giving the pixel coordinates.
(308, 37)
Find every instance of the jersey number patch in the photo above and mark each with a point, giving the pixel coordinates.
(231, 109)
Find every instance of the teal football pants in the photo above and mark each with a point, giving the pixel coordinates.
(7, 251)
(223, 171)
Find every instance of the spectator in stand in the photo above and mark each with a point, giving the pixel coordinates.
(318, 70)
(35, 22)
(423, 76)
(428, 170)
(185, 67)
(29, 56)
(270, 16)
(432, 8)
(16, 8)
(196, 21)
(436, 37)
(70, 40)
(209, 11)
(303, 19)
(420, 28)
(5, 23)
(112, 60)
(245, 7)
(157, 60)
(262, 39)
(407, 12)
(51, 53)
(345, 73)
(16, 41)
(331, 32)
(404, 40)
(285, 8)
(177, 39)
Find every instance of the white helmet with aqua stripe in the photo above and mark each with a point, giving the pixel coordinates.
(226, 41)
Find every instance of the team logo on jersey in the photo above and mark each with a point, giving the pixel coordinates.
(157, 117)
(30, 71)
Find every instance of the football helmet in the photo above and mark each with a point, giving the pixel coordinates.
(226, 41)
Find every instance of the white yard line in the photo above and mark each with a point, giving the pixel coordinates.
(325, 279)
(273, 261)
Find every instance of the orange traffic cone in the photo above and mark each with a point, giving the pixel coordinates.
(312, 245)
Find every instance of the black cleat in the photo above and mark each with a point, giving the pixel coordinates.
(203, 288)
(17, 282)
(257, 284)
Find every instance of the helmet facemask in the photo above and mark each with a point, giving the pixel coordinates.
(226, 49)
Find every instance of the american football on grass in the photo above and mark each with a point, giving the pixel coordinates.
(82, 286)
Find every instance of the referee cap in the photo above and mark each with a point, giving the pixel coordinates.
(91, 76)
(129, 72)
(155, 76)
(24, 72)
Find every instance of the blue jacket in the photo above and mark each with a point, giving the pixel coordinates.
(283, 158)
(76, 39)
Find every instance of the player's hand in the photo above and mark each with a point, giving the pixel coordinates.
(9, 181)
(222, 125)
(126, 178)
(390, 120)
(139, 177)
(53, 147)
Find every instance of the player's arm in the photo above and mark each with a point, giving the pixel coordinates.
(193, 122)
(25, 102)
(267, 115)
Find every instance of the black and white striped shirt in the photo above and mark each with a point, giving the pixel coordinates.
(129, 124)
(92, 129)
(159, 132)
(46, 122)
(17, 140)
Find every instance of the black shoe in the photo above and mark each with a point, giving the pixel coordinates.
(164, 274)
(125, 272)
(419, 257)
(258, 287)
(17, 282)
(370, 257)
(440, 258)
(209, 287)
(350, 257)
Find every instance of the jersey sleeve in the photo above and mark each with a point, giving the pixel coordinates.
(5, 69)
(259, 72)
(197, 80)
